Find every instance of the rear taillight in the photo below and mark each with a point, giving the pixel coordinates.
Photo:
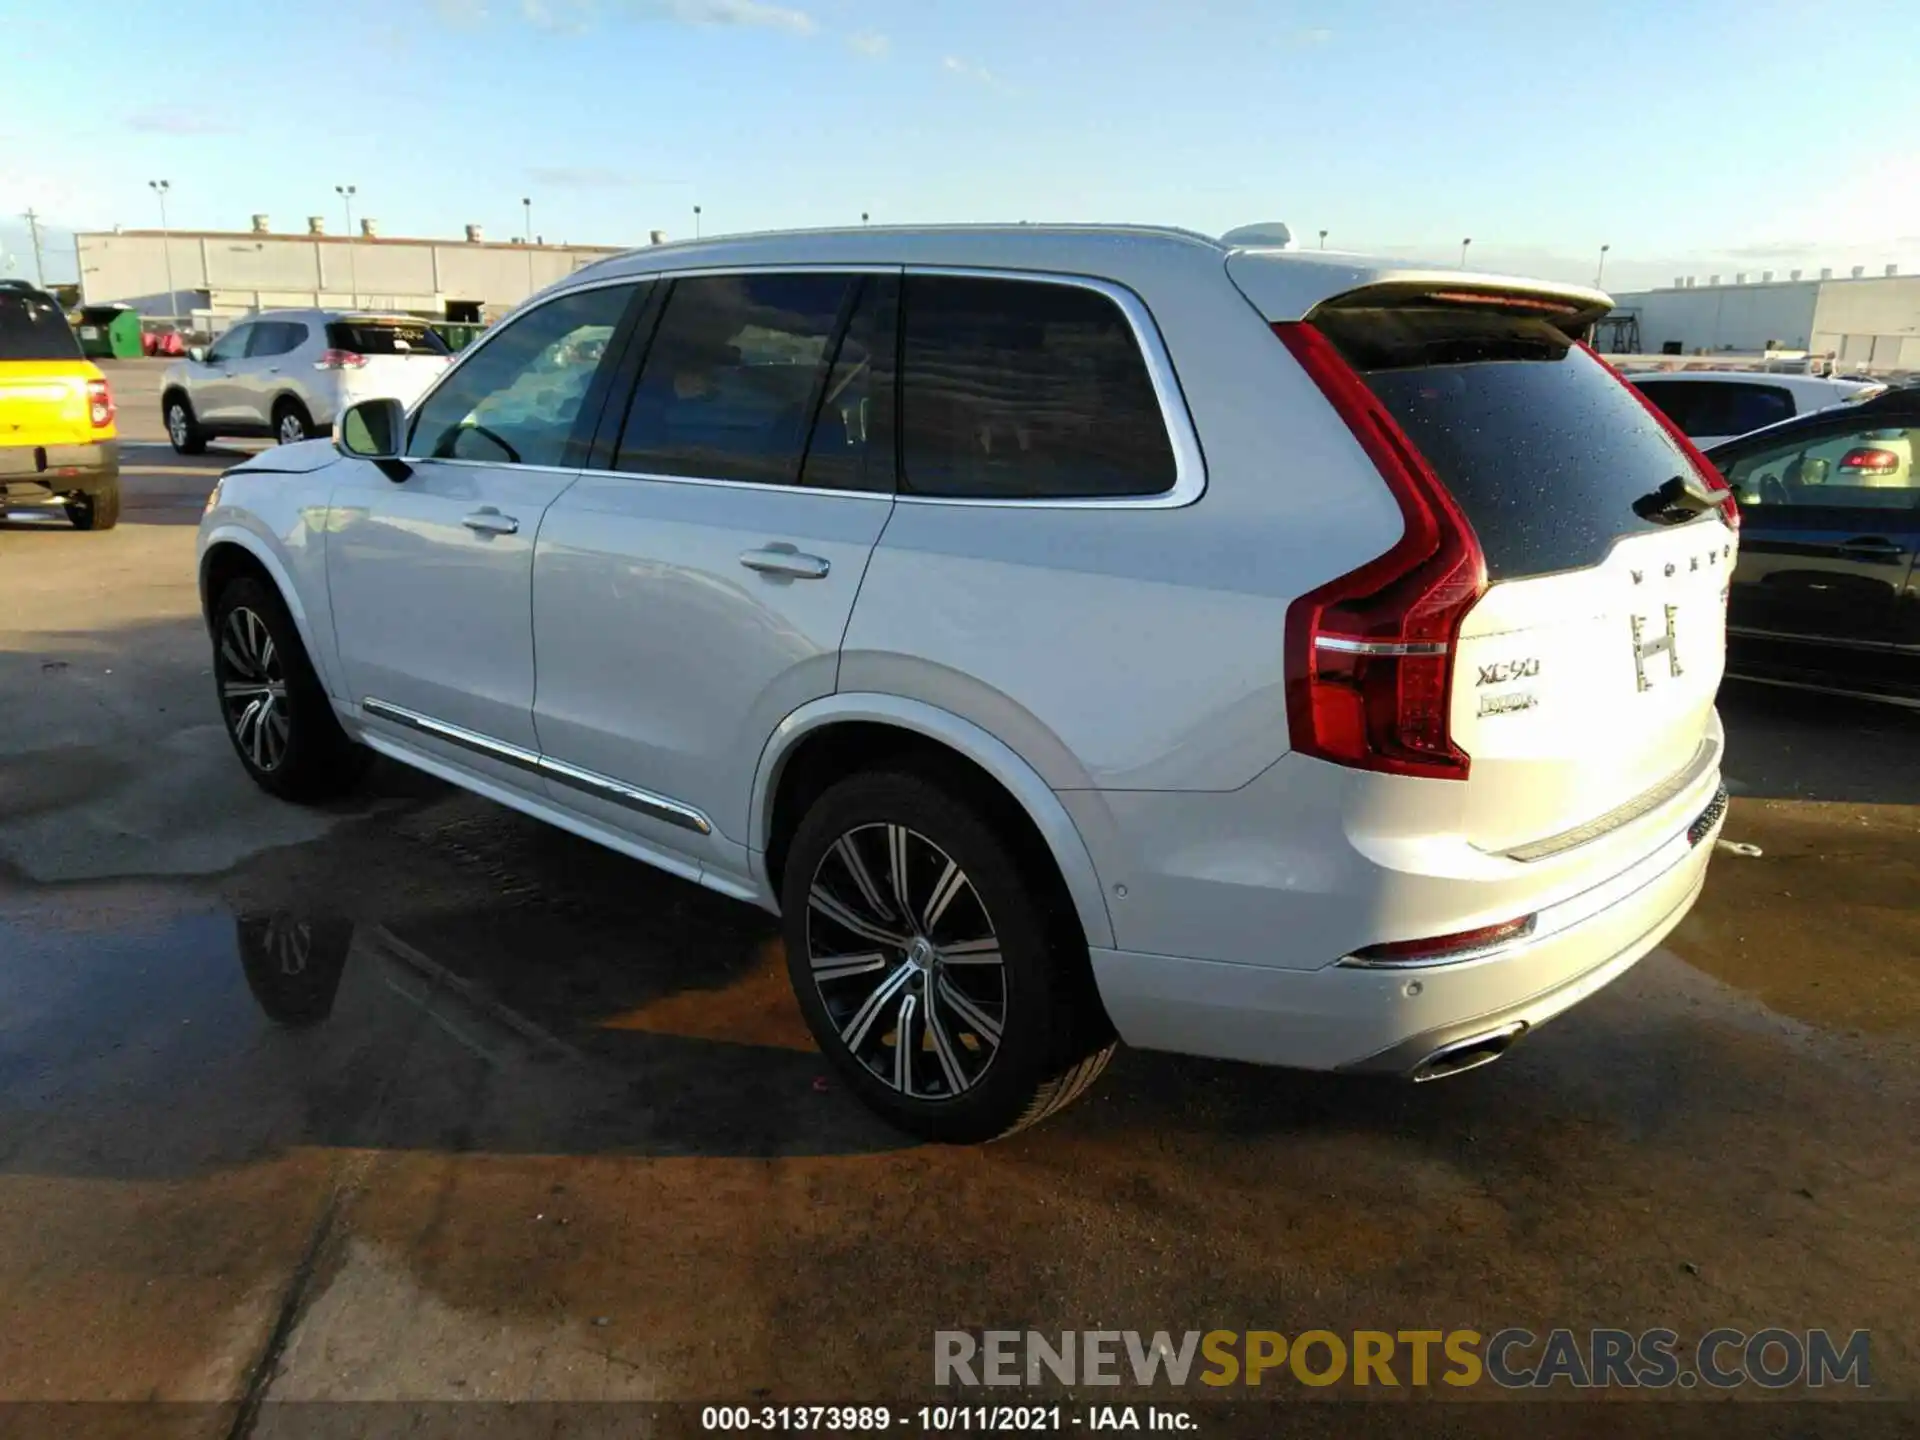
(339, 360)
(1869, 460)
(1369, 656)
(1708, 472)
(1440, 949)
(99, 404)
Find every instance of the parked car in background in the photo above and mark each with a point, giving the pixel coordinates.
(289, 374)
(58, 441)
(1715, 405)
(1068, 631)
(1826, 595)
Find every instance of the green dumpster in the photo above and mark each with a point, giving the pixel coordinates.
(110, 332)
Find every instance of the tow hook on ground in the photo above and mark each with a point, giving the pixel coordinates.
(1739, 847)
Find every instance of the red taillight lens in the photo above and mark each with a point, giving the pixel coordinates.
(1370, 655)
(1869, 460)
(1708, 472)
(339, 360)
(1436, 949)
(99, 404)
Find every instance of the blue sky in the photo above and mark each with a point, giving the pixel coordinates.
(1690, 137)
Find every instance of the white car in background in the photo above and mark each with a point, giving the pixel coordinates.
(1715, 405)
(289, 373)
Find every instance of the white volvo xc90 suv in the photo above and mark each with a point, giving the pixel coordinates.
(1072, 633)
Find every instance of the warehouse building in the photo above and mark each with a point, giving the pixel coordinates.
(1866, 322)
(212, 276)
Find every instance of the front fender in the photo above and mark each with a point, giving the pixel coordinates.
(1019, 778)
(217, 530)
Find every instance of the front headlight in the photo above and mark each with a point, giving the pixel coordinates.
(213, 495)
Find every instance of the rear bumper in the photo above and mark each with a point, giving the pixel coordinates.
(1390, 1021)
(40, 472)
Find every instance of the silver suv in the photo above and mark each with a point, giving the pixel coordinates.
(1069, 632)
(290, 373)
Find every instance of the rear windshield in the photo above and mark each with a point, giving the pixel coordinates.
(32, 327)
(1542, 446)
(385, 337)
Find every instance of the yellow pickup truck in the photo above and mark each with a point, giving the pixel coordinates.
(58, 444)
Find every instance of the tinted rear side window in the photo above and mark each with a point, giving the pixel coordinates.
(733, 377)
(371, 337)
(1025, 390)
(1543, 447)
(32, 327)
(1719, 407)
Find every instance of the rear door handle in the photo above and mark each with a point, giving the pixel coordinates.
(787, 562)
(489, 521)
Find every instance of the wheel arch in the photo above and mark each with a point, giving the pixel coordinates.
(228, 552)
(862, 719)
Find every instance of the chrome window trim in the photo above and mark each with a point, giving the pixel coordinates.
(605, 787)
(1189, 464)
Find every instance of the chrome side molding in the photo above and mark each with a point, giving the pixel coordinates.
(602, 787)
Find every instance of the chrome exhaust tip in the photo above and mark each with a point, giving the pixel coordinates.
(1459, 1056)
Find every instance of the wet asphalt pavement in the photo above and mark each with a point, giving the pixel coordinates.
(414, 1098)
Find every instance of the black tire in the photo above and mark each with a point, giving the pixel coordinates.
(289, 416)
(1054, 1038)
(96, 510)
(183, 430)
(275, 710)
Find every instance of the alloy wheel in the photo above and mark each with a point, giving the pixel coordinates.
(292, 429)
(177, 424)
(253, 688)
(906, 961)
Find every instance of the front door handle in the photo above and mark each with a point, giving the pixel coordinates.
(787, 562)
(489, 521)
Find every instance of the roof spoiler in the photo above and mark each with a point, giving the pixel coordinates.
(1293, 285)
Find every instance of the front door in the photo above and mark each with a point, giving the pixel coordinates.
(1830, 529)
(430, 563)
(695, 592)
(213, 383)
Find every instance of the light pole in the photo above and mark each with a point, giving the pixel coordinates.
(346, 194)
(696, 222)
(1463, 251)
(33, 230)
(160, 188)
(526, 208)
(1601, 268)
(1323, 239)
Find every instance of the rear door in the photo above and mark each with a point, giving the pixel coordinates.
(260, 377)
(43, 379)
(695, 592)
(1824, 590)
(1584, 677)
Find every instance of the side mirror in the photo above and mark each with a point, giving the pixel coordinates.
(372, 430)
(198, 354)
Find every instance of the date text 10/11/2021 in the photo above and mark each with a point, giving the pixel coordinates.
(941, 1419)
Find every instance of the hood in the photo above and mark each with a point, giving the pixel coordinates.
(299, 459)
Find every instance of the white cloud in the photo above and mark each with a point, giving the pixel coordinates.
(869, 43)
(967, 70)
(747, 13)
(1318, 35)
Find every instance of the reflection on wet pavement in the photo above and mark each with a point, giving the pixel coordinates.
(447, 1104)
